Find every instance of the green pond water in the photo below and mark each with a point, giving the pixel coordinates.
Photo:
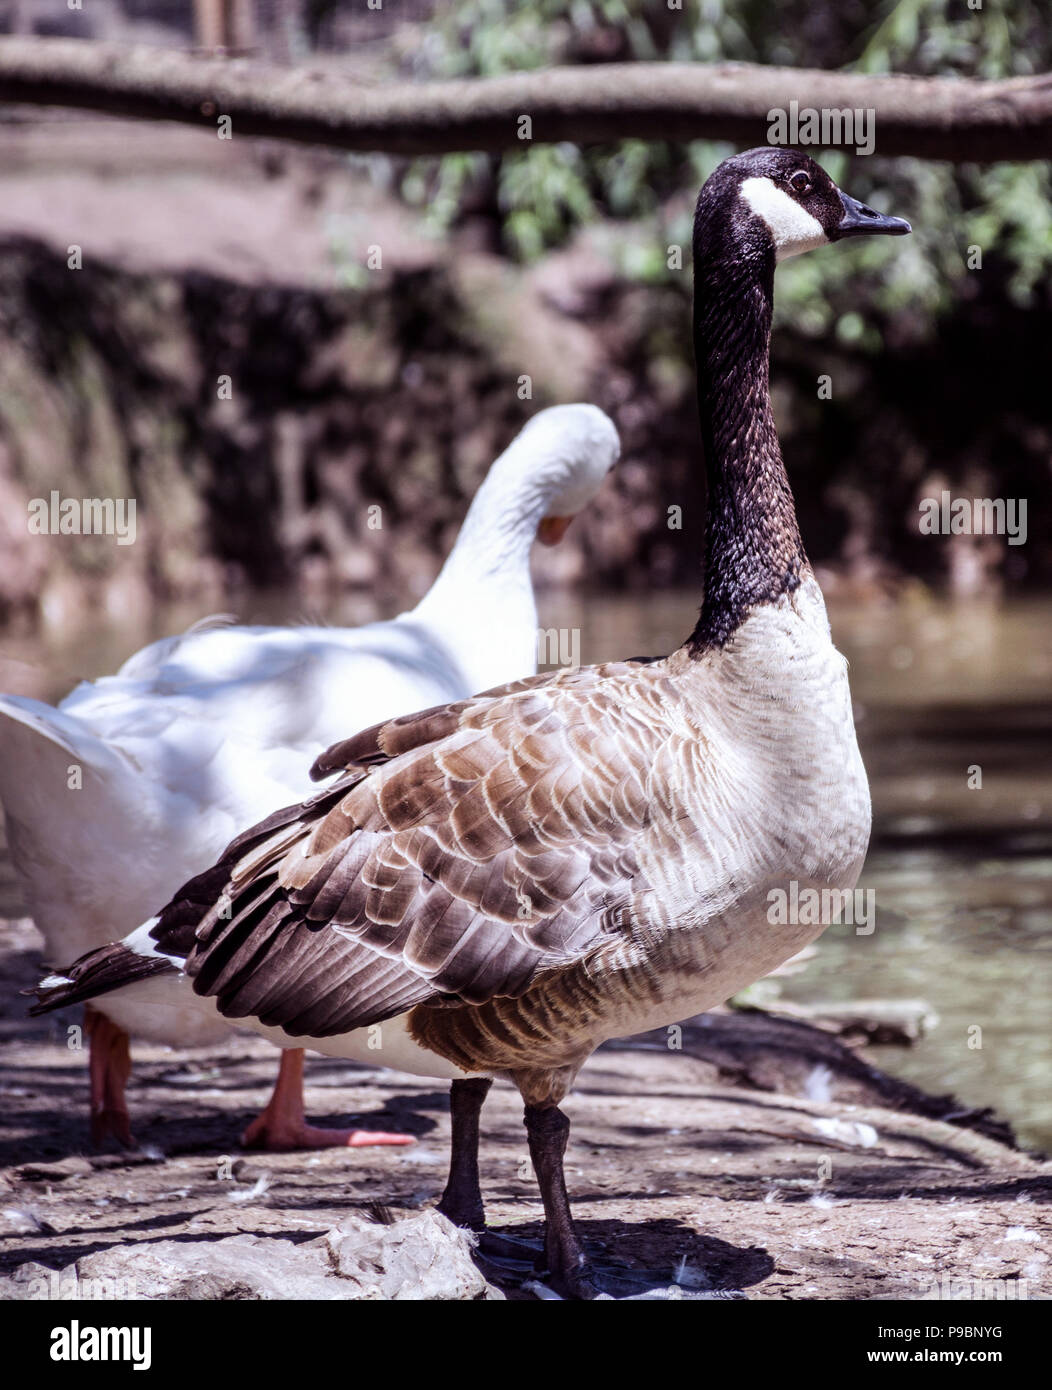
(946, 693)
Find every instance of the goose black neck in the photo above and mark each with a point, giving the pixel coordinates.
(753, 550)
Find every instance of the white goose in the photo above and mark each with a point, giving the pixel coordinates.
(197, 735)
(495, 887)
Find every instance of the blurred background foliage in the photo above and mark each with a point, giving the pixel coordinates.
(940, 355)
(550, 262)
(539, 196)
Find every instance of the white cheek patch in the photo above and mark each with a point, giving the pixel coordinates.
(792, 227)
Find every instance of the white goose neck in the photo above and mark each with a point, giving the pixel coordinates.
(481, 605)
(500, 527)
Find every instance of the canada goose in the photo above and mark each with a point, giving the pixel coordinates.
(503, 883)
(197, 733)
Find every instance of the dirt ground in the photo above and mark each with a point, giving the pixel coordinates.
(749, 1154)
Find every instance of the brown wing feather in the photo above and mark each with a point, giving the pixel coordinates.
(465, 850)
(381, 742)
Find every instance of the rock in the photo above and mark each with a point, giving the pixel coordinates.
(420, 1257)
(72, 1167)
(238, 1267)
(423, 1256)
(127, 1158)
(15, 1221)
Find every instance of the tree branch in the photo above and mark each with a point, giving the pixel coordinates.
(958, 119)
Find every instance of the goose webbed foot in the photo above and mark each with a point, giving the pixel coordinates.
(282, 1127)
(111, 1125)
(561, 1258)
(577, 1285)
(569, 1273)
(558, 1269)
(262, 1134)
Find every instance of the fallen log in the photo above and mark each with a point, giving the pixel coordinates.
(952, 118)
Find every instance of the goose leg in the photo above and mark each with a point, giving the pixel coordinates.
(109, 1067)
(547, 1130)
(462, 1199)
(281, 1126)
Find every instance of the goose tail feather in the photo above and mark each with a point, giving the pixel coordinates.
(99, 972)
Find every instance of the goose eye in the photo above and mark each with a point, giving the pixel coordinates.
(800, 182)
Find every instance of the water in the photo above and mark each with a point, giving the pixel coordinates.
(946, 694)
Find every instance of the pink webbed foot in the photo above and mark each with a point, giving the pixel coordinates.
(282, 1128)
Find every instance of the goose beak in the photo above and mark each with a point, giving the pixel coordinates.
(552, 529)
(859, 220)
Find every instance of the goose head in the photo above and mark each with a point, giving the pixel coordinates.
(778, 202)
(552, 469)
(482, 607)
(756, 209)
(565, 453)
